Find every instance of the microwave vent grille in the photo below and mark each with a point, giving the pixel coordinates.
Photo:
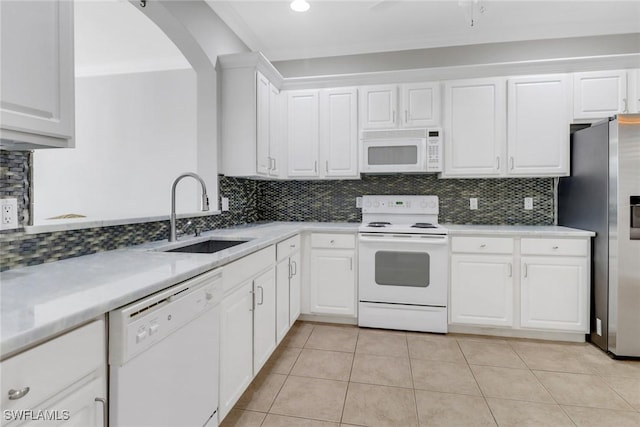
(394, 134)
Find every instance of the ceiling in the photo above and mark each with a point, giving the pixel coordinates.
(333, 28)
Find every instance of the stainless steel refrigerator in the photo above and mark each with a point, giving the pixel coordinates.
(603, 195)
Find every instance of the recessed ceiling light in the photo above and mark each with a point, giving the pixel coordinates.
(300, 5)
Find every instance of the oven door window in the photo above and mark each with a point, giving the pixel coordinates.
(393, 268)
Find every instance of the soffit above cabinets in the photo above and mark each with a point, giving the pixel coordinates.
(333, 28)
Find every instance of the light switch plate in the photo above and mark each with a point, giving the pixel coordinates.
(358, 202)
(224, 201)
(528, 203)
(473, 203)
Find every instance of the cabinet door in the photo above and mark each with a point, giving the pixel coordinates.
(264, 318)
(283, 275)
(482, 290)
(538, 131)
(378, 107)
(276, 131)
(263, 159)
(555, 293)
(295, 285)
(474, 127)
(339, 132)
(599, 94)
(333, 282)
(634, 91)
(420, 104)
(236, 346)
(37, 82)
(302, 136)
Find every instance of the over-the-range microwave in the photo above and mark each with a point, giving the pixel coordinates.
(401, 150)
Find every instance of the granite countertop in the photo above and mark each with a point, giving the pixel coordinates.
(42, 301)
(517, 230)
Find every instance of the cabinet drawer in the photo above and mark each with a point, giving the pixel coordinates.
(287, 247)
(571, 247)
(238, 271)
(342, 241)
(51, 367)
(482, 245)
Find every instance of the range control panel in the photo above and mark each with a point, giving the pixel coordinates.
(400, 204)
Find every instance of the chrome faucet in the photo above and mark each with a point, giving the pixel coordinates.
(205, 202)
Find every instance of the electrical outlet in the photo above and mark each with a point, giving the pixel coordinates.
(528, 203)
(598, 326)
(224, 201)
(9, 214)
(473, 203)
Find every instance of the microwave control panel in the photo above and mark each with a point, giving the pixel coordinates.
(434, 150)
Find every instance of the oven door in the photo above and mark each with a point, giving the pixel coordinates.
(403, 269)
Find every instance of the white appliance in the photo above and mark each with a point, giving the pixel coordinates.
(401, 150)
(403, 264)
(163, 357)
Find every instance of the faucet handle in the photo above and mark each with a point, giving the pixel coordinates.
(185, 228)
(198, 231)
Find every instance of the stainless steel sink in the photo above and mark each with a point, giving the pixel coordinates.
(208, 246)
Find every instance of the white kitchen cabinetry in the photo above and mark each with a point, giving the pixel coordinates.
(288, 285)
(67, 373)
(37, 83)
(600, 94)
(419, 106)
(322, 133)
(339, 133)
(520, 284)
(247, 323)
(634, 91)
(554, 281)
(251, 116)
(264, 318)
(482, 281)
(538, 125)
(302, 135)
(332, 274)
(474, 127)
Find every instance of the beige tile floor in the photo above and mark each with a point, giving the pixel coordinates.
(328, 375)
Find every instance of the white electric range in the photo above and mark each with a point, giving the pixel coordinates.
(403, 264)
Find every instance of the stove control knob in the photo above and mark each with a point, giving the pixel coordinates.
(432, 204)
(376, 204)
(367, 205)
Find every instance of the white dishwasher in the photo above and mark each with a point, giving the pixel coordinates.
(163, 357)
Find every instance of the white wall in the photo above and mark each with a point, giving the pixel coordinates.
(135, 133)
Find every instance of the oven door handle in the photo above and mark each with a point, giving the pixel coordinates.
(405, 238)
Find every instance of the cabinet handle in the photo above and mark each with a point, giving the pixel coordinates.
(290, 269)
(525, 270)
(394, 116)
(406, 116)
(315, 166)
(555, 247)
(274, 163)
(498, 163)
(105, 411)
(510, 270)
(295, 268)
(511, 165)
(626, 105)
(351, 264)
(18, 394)
(484, 245)
(292, 246)
(326, 166)
(261, 295)
(253, 300)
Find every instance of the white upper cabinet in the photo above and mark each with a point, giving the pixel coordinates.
(600, 94)
(378, 107)
(339, 132)
(37, 83)
(538, 125)
(302, 135)
(251, 116)
(634, 91)
(419, 106)
(474, 122)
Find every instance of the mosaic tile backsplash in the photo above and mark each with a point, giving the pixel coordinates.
(500, 201)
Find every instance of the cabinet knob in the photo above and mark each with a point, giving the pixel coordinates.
(555, 247)
(18, 394)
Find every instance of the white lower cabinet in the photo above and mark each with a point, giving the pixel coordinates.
(288, 285)
(333, 274)
(63, 379)
(537, 283)
(482, 289)
(236, 346)
(247, 323)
